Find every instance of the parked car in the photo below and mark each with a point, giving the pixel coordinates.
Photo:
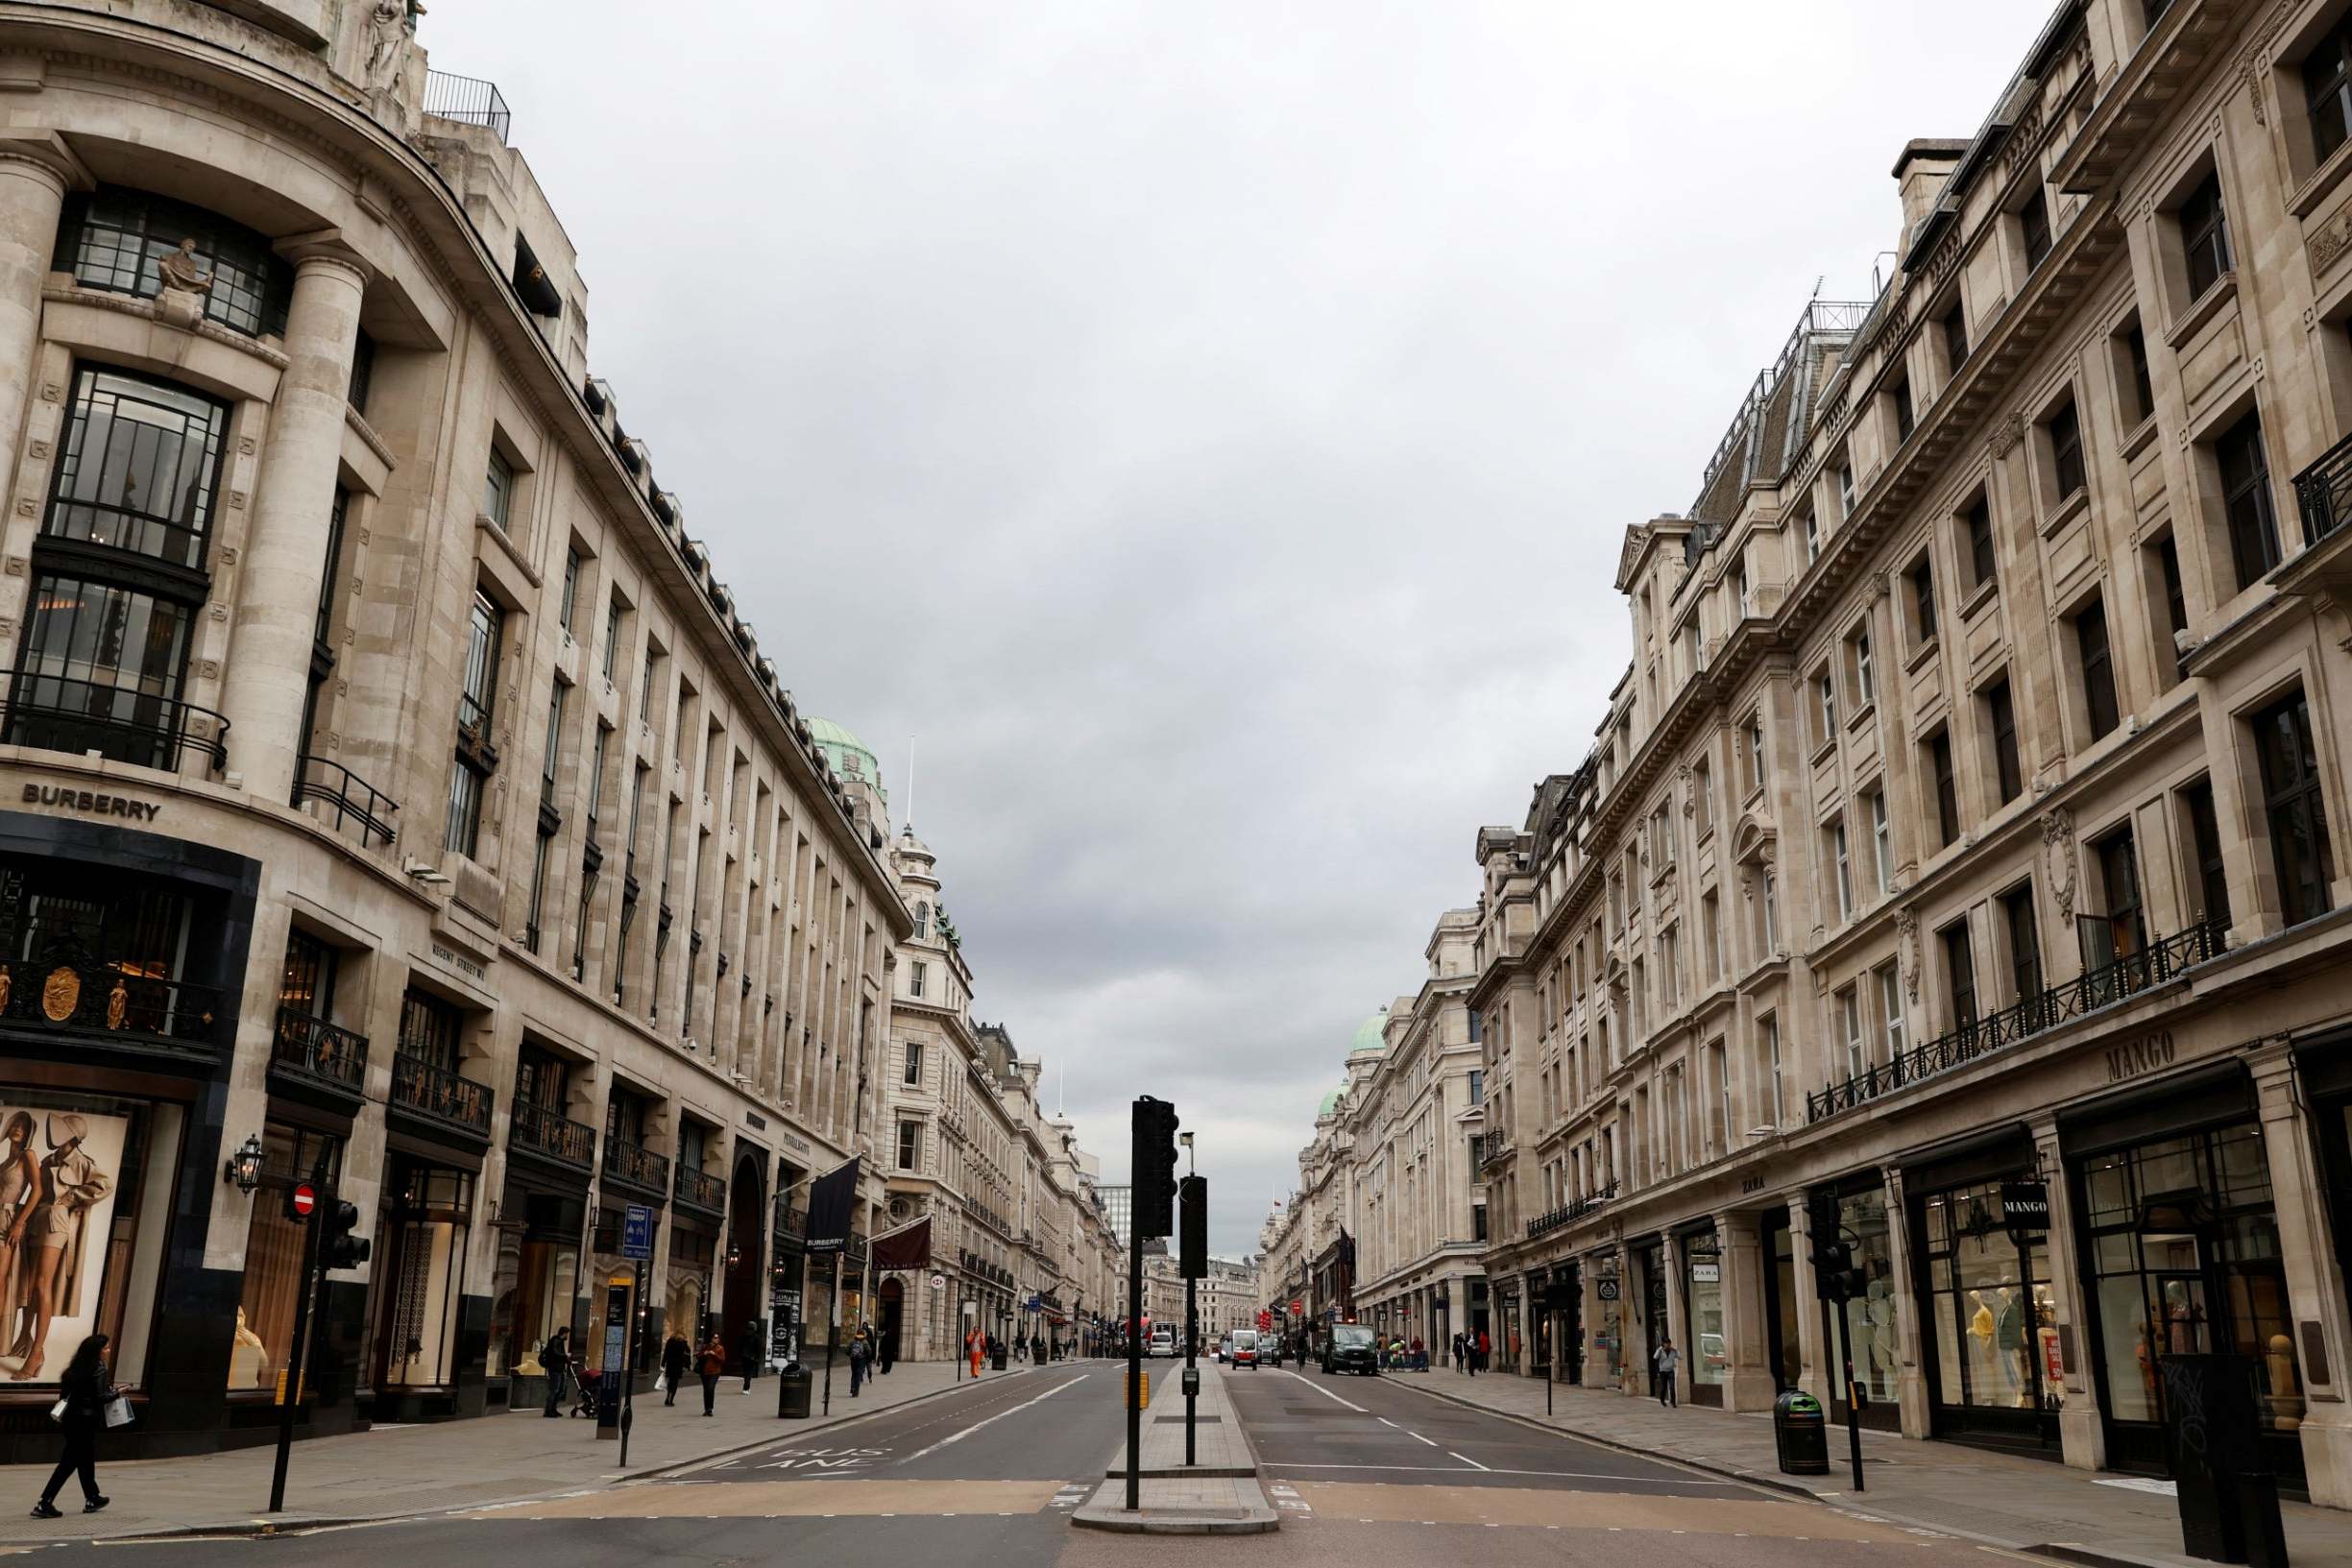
(1351, 1348)
(1161, 1343)
(1244, 1348)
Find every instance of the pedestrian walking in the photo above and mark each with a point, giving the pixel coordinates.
(1460, 1353)
(747, 1351)
(85, 1390)
(675, 1354)
(1481, 1351)
(1421, 1354)
(973, 1347)
(1663, 1364)
(860, 1355)
(886, 1351)
(713, 1365)
(555, 1360)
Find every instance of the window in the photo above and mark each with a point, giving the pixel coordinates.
(1954, 327)
(1860, 670)
(1768, 1029)
(1755, 752)
(557, 693)
(470, 771)
(1768, 894)
(2327, 89)
(2166, 561)
(571, 587)
(535, 911)
(114, 238)
(2119, 876)
(913, 1078)
(1881, 843)
(1890, 1010)
(2097, 667)
(429, 1029)
(2204, 235)
(1478, 1081)
(98, 669)
(1959, 973)
(595, 780)
(1947, 791)
(1850, 1025)
(2065, 431)
(499, 492)
(2137, 394)
(613, 609)
(2000, 721)
(1825, 700)
(922, 922)
(2205, 838)
(2025, 941)
(1702, 798)
(916, 973)
(1842, 860)
(2296, 814)
(2033, 226)
(909, 1145)
(139, 470)
(2246, 500)
(1977, 543)
(1899, 397)
(363, 372)
(1922, 580)
(1711, 930)
(1844, 504)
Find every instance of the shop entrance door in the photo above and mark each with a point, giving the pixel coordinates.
(1780, 1306)
(891, 1345)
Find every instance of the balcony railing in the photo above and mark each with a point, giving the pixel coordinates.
(2323, 492)
(71, 991)
(468, 101)
(342, 800)
(1570, 1214)
(311, 1048)
(2151, 966)
(1498, 1148)
(699, 1190)
(630, 1165)
(435, 1092)
(553, 1136)
(58, 712)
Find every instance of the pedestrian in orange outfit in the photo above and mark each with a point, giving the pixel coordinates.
(975, 1345)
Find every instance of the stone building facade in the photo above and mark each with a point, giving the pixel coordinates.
(388, 787)
(1960, 866)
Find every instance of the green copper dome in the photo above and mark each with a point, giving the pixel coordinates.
(1330, 1101)
(851, 758)
(1371, 1035)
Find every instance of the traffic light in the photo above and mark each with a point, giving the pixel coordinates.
(1155, 1166)
(1834, 1273)
(338, 1247)
(1192, 1228)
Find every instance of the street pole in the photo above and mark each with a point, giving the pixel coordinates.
(1134, 1369)
(297, 1359)
(832, 1332)
(1853, 1429)
(1551, 1362)
(629, 1358)
(1192, 1339)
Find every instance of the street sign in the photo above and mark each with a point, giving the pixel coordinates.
(1705, 1273)
(636, 1233)
(303, 1198)
(1297, 1308)
(1607, 1290)
(1036, 1304)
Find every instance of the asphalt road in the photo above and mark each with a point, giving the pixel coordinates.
(988, 1476)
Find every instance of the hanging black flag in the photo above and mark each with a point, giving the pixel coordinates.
(832, 1201)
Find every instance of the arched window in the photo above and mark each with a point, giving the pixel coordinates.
(922, 920)
(112, 238)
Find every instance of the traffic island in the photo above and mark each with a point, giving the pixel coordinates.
(1218, 1494)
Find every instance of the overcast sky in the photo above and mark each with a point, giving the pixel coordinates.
(1208, 428)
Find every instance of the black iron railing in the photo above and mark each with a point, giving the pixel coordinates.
(701, 1189)
(311, 1048)
(467, 100)
(789, 1221)
(430, 1090)
(1570, 1214)
(1498, 1146)
(342, 800)
(68, 991)
(626, 1163)
(58, 712)
(552, 1135)
(2151, 966)
(2323, 492)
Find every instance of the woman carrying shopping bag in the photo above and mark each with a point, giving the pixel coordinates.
(87, 1390)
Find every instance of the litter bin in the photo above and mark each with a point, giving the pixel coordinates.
(1801, 1433)
(792, 1393)
(2228, 1500)
(996, 1361)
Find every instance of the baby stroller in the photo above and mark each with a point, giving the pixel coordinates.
(591, 1400)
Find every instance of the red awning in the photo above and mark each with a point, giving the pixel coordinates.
(907, 1247)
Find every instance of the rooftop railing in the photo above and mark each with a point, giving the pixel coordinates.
(468, 101)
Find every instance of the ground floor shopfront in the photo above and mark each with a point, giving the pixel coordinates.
(2023, 1280)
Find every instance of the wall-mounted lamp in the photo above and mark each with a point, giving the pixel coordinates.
(243, 1172)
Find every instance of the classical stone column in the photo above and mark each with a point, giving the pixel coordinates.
(1588, 1285)
(285, 557)
(1677, 1264)
(2082, 1436)
(1809, 1351)
(35, 172)
(1910, 1382)
(1747, 1383)
(2315, 1346)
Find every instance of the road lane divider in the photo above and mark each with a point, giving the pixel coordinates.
(961, 1433)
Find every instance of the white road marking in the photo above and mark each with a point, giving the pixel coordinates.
(1558, 1475)
(1418, 1439)
(1384, 1420)
(961, 1433)
(1329, 1394)
(1463, 1458)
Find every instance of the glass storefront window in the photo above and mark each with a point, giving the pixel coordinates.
(86, 1184)
(431, 1207)
(1865, 1327)
(1709, 1353)
(1995, 1322)
(264, 1342)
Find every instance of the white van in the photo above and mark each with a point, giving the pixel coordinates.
(1161, 1343)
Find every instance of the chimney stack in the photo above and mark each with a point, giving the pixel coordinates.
(1921, 172)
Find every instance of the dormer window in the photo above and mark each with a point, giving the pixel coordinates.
(532, 283)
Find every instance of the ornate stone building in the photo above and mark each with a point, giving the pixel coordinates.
(392, 789)
(1960, 866)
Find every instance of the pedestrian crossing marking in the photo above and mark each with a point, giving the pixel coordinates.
(1627, 1512)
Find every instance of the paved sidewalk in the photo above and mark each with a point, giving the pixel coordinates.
(392, 1471)
(1218, 1495)
(1999, 1499)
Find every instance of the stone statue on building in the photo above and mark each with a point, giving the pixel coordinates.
(390, 27)
(183, 283)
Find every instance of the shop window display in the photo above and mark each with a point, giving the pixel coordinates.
(1865, 1327)
(1996, 1321)
(431, 1207)
(273, 1258)
(1709, 1353)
